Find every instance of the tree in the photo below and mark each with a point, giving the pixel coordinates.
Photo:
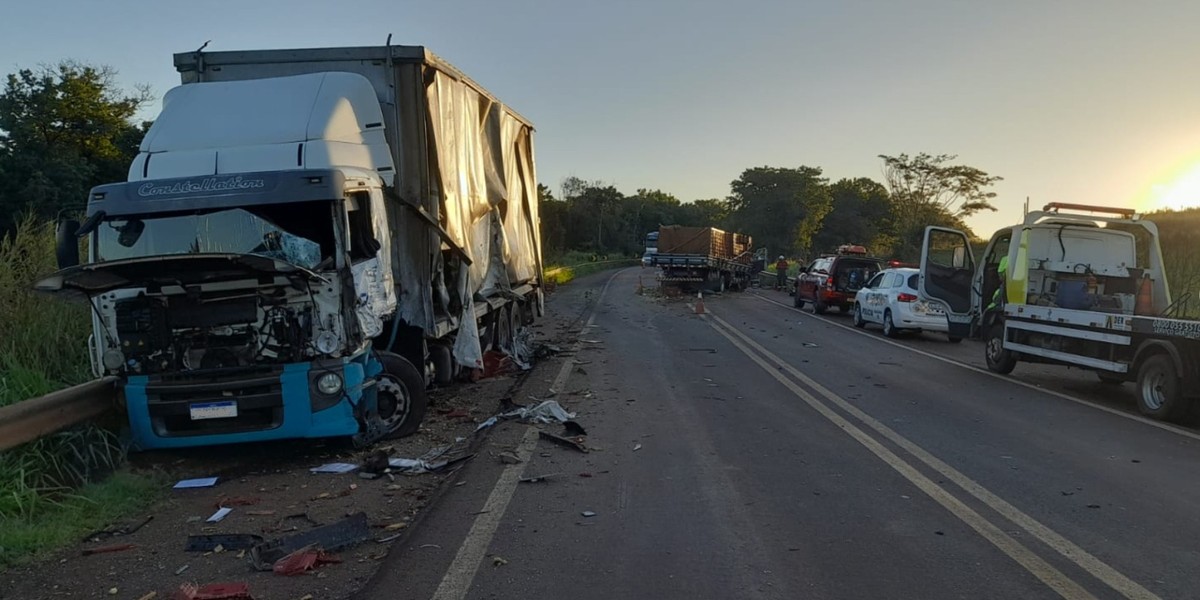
(926, 190)
(782, 208)
(710, 212)
(861, 214)
(925, 180)
(63, 129)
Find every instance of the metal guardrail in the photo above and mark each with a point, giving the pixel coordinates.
(29, 420)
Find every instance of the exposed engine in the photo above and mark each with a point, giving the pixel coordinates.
(183, 332)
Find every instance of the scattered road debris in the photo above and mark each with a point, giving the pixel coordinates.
(228, 541)
(395, 527)
(390, 538)
(548, 411)
(104, 534)
(302, 560)
(180, 570)
(498, 561)
(196, 483)
(331, 538)
(562, 441)
(431, 546)
(509, 458)
(585, 474)
(637, 447)
(220, 514)
(573, 428)
(588, 513)
(224, 501)
(334, 468)
(108, 549)
(538, 478)
(213, 591)
(148, 596)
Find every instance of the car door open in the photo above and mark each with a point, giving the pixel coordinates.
(947, 269)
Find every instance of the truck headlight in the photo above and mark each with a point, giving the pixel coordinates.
(327, 342)
(329, 384)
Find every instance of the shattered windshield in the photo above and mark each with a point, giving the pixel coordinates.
(303, 237)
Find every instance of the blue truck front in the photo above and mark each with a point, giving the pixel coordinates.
(226, 306)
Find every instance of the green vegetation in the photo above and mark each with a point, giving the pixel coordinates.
(72, 516)
(1179, 232)
(574, 263)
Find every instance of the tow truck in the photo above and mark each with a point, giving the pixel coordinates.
(1076, 285)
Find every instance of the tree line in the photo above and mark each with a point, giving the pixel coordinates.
(794, 211)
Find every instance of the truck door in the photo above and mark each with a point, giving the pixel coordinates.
(947, 269)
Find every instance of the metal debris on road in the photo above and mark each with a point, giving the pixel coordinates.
(637, 447)
(196, 483)
(585, 474)
(588, 513)
(509, 458)
(538, 478)
(220, 514)
(431, 546)
(562, 441)
(331, 538)
(334, 468)
(573, 428)
(498, 561)
(180, 570)
(104, 534)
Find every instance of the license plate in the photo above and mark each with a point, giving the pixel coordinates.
(213, 410)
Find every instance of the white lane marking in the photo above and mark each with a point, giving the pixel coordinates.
(456, 583)
(1060, 544)
(1044, 571)
(1140, 419)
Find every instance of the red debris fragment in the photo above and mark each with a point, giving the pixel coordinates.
(304, 559)
(496, 363)
(458, 413)
(213, 591)
(107, 549)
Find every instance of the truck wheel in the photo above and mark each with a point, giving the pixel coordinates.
(859, 322)
(401, 396)
(1160, 395)
(443, 364)
(999, 360)
(889, 326)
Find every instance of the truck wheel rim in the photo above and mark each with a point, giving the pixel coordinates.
(1152, 389)
(994, 347)
(392, 402)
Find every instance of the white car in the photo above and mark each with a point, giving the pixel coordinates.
(890, 299)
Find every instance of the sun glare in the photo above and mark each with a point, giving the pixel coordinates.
(1182, 192)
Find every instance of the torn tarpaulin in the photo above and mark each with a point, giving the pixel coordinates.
(548, 411)
(435, 460)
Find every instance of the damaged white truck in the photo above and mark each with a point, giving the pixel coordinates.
(308, 239)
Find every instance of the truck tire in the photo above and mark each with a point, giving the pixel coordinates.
(1159, 390)
(889, 326)
(443, 364)
(401, 396)
(998, 359)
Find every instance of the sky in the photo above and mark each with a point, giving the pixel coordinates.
(1092, 102)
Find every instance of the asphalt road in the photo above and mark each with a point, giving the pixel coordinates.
(761, 452)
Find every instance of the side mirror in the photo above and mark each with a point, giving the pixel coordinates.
(66, 243)
(130, 232)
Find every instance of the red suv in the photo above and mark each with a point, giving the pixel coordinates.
(833, 280)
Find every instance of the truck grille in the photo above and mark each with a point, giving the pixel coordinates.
(258, 394)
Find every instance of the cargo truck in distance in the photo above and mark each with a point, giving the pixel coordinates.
(703, 257)
(1075, 285)
(306, 239)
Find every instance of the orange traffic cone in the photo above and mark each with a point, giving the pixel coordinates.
(699, 303)
(1145, 298)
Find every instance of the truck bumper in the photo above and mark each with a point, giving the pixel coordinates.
(190, 411)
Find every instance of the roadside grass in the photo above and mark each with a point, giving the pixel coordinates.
(53, 487)
(574, 264)
(75, 514)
